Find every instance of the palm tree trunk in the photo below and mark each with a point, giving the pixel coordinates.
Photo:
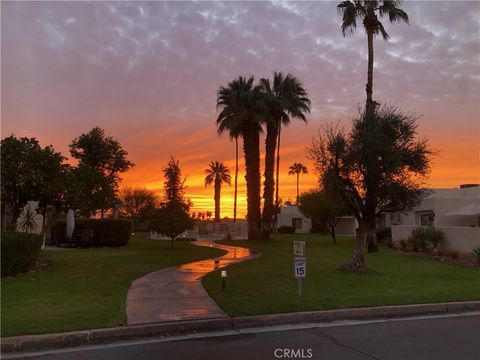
(269, 184)
(251, 148)
(369, 87)
(217, 198)
(236, 177)
(298, 177)
(277, 182)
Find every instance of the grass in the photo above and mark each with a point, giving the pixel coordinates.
(267, 285)
(85, 288)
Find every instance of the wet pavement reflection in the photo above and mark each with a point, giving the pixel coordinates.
(176, 293)
(200, 268)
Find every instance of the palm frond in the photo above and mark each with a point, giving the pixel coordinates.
(349, 13)
(217, 171)
(382, 31)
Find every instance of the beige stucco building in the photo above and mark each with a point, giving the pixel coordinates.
(454, 211)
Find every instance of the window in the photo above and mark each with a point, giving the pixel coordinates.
(297, 223)
(426, 218)
(382, 221)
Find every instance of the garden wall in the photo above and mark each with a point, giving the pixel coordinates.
(456, 239)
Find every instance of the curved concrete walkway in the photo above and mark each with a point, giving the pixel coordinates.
(176, 293)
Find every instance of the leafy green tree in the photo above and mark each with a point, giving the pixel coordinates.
(377, 167)
(174, 184)
(51, 195)
(242, 110)
(171, 220)
(285, 98)
(325, 207)
(88, 190)
(138, 204)
(297, 169)
(217, 173)
(173, 217)
(367, 10)
(96, 151)
(29, 173)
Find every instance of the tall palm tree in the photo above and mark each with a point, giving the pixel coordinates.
(217, 174)
(236, 181)
(234, 134)
(297, 169)
(367, 11)
(285, 98)
(242, 109)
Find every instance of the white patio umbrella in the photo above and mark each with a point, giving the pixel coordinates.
(70, 223)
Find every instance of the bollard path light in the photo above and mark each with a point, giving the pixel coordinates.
(224, 278)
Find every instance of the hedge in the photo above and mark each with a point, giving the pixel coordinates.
(20, 252)
(286, 229)
(104, 232)
(384, 235)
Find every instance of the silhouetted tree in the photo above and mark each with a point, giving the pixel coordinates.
(29, 173)
(377, 167)
(217, 173)
(105, 155)
(297, 169)
(285, 98)
(138, 204)
(325, 207)
(172, 218)
(366, 10)
(242, 110)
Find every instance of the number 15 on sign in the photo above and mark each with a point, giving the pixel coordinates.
(300, 268)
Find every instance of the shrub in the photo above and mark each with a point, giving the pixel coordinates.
(388, 241)
(384, 236)
(19, 252)
(425, 238)
(476, 254)
(403, 244)
(104, 232)
(286, 229)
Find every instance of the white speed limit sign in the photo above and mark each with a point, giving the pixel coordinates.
(300, 267)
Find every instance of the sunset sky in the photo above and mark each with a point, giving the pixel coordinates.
(148, 74)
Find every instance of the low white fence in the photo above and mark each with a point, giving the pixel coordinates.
(456, 239)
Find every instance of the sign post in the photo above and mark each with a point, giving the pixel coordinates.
(300, 263)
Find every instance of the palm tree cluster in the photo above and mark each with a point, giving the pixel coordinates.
(248, 109)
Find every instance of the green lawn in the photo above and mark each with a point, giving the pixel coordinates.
(85, 288)
(267, 285)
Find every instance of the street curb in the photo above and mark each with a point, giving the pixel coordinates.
(106, 335)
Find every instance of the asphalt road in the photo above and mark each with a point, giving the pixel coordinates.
(449, 337)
